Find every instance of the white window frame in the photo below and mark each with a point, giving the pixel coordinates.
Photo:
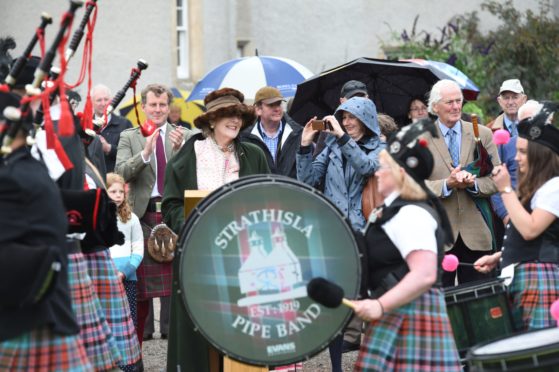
(182, 46)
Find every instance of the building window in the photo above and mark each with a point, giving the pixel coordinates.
(242, 48)
(183, 67)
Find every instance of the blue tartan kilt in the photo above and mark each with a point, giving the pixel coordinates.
(110, 290)
(41, 350)
(95, 332)
(414, 337)
(534, 288)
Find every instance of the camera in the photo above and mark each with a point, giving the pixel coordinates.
(321, 125)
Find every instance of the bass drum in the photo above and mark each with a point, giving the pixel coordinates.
(248, 251)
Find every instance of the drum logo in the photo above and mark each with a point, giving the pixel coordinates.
(270, 276)
(274, 276)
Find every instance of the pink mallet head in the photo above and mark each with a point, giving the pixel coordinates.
(554, 310)
(450, 263)
(501, 137)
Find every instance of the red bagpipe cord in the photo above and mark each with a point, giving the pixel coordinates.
(41, 37)
(86, 118)
(66, 121)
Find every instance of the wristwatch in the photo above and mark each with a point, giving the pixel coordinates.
(506, 190)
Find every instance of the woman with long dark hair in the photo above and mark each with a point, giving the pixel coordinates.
(531, 244)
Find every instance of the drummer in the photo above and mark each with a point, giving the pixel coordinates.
(408, 327)
(531, 243)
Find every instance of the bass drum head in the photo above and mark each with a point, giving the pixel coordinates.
(521, 352)
(248, 251)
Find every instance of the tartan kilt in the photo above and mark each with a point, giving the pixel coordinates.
(414, 337)
(534, 288)
(112, 297)
(95, 332)
(154, 278)
(42, 350)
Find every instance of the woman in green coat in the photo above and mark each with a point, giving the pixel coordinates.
(214, 157)
(206, 162)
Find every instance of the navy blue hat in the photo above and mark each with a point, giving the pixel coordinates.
(352, 88)
(539, 128)
(410, 150)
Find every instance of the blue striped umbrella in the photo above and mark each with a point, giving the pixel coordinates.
(249, 74)
(445, 71)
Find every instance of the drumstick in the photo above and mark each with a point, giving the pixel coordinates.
(450, 263)
(327, 293)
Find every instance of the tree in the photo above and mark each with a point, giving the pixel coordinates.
(523, 46)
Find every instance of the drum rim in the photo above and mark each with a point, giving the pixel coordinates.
(471, 357)
(487, 283)
(209, 200)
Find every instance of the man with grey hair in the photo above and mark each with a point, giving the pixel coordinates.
(110, 134)
(511, 98)
(457, 188)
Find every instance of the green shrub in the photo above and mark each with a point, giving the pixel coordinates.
(523, 46)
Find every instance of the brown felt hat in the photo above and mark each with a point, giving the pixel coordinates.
(225, 102)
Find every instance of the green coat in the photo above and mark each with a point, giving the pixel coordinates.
(187, 349)
(180, 175)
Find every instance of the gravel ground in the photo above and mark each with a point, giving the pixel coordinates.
(155, 358)
(155, 354)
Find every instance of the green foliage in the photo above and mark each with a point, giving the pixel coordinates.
(523, 46)
(472, 108)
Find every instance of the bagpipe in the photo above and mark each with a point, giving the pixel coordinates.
(45, 83)
(99, 124)
(33, 91)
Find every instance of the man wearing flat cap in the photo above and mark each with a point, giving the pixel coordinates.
(278, 136)
(353, 88)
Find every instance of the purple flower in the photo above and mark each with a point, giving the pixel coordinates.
(452, 59)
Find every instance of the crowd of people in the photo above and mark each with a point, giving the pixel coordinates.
(93, 221)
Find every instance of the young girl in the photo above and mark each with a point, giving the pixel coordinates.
(127, 257)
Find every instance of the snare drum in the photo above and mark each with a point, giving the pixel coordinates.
(247, 252)
(478, 312)
(530, 351)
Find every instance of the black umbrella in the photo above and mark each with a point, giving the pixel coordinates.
(391, 85)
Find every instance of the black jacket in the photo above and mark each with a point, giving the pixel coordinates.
(112, 134)
(289, 145)
(32, 214)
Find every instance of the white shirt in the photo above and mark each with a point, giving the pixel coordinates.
(547, 197)
(411, 229)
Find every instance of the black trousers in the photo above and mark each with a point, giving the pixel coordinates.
(465, 273)
(164, 316)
